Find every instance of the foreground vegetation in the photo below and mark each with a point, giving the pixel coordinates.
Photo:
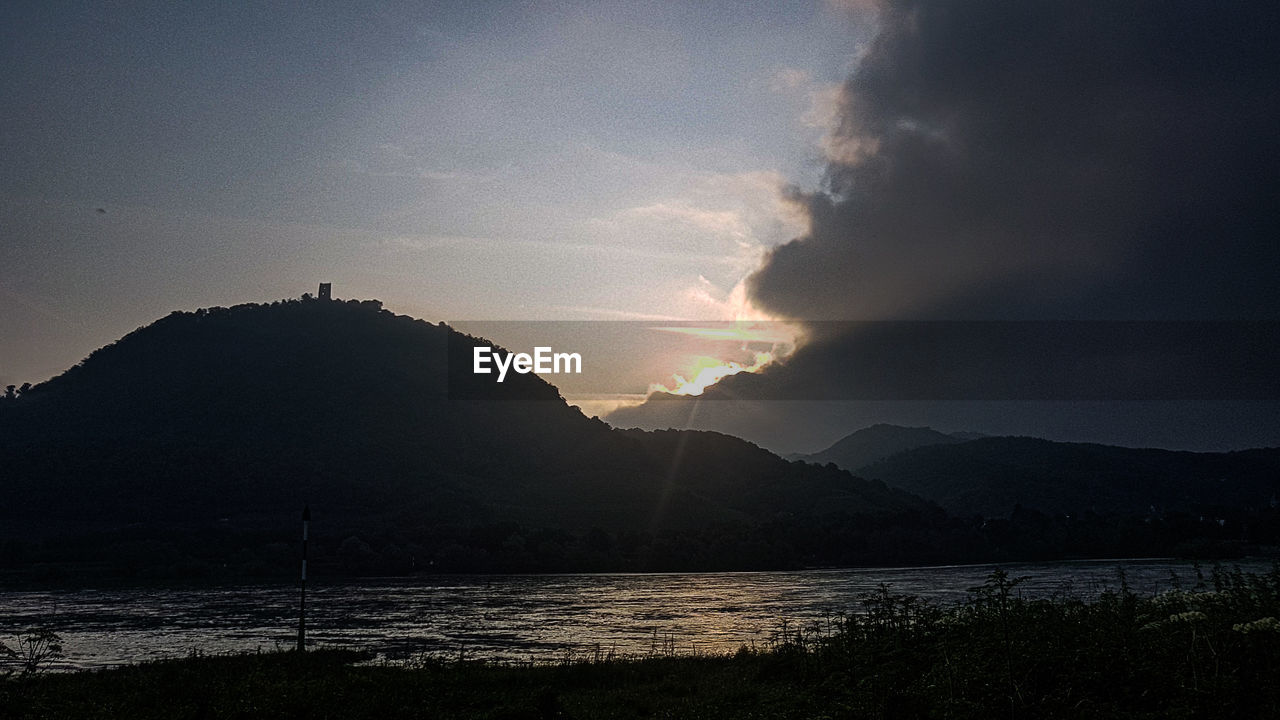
(1208, 651)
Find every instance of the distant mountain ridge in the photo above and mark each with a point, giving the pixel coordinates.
(876, 442)
(991, 476)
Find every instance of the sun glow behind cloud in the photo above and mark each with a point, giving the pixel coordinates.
(703, 371)
(707, 371)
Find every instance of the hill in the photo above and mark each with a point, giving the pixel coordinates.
(877, 442)
(991, 476)
(216, 426)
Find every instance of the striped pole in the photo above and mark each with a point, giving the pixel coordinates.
(302, 607)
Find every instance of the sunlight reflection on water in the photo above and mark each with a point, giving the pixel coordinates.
(519, 617)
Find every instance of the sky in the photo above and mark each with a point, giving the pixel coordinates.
(1082, 193)
(652, 163)
(459, 161)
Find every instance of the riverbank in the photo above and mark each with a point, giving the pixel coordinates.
(1206, 651)
(525, 617)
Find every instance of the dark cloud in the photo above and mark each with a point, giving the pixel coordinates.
(1042, 161)
(1085, 160)
(1024, 361)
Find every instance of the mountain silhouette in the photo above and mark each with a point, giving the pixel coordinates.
(187, 448)
(992, 476)
(865, 446)
(234, 415)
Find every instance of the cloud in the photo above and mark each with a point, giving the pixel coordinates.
(730, 211)
(789, 79)
(602, 404)
(723, 223)
(1013, 161)
(1065, 159)
(405, 162)
(856, 6)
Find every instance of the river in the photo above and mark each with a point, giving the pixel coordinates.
(521, 617)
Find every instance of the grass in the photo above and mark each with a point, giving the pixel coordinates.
(1208, 651)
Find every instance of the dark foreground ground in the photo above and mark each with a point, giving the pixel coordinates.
(1208, 651)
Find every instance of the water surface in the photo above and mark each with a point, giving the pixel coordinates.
(521, 617)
